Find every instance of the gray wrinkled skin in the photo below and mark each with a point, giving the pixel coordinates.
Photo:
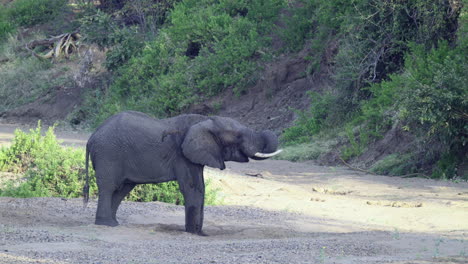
(133, 148)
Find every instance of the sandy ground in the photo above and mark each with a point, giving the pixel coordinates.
(272, 212)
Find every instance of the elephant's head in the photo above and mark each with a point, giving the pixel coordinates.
(219, 139)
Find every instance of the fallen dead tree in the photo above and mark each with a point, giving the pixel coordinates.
(59, 46)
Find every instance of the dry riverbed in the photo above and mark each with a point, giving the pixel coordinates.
(272, 212)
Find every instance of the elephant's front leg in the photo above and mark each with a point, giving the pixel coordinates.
(192, 186)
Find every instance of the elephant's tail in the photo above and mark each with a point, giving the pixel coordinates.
(86, 186)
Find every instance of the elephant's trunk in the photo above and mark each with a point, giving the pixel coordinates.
(263, 145)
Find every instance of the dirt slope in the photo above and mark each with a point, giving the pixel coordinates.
(285, 213)
(282, 88)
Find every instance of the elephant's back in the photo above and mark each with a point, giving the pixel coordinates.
(126, 129)
(135, 145)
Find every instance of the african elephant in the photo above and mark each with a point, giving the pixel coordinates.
(133, 148)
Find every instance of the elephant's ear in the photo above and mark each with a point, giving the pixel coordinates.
(201, 146)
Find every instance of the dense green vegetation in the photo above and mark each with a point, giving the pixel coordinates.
(205, 47)
(398, 64)
(48, 169)
(29, 13)
(393, 65)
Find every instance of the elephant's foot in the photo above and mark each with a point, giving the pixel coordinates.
(199, 233)
(196, 230)
(106, 222)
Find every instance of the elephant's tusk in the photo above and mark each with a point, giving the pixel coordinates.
(267, 155)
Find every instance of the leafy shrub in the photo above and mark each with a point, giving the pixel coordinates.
(383, 78)
(358, 142)
(206, 47)
(306, 151)
(50, 169)
(395, 164)
(6, 26)
(53, 170)
(148, 14)
(127, 42)
(372, 37)
(98, 27)
(370, 55)
(434, 94)
(309, 122)
(313, 20)
(31, 12)
(429, 97)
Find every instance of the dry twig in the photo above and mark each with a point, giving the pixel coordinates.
(61, 45)
(354, 168)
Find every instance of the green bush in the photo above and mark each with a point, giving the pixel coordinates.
(306, 151)
(396, 165)
(358, 142)
(50, 169)
(433, 94)
(376, 35)
(149, 14)
(205, 47)
(429, 97)
(53, 170)
(309, 122)
(127, 42)
(383, 79)
(372, 37)
(98, 27)
(6, 26)
(31, 12)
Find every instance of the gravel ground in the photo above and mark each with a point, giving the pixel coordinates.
(55, 230)
(287, 213)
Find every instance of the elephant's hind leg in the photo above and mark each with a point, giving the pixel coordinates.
(119, 195)
(105, 179)
(104, 210)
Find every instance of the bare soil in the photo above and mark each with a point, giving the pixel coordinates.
(271, 103)
(59, 102)
(272, 212)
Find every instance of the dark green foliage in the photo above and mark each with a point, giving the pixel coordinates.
(373, 35)
(391, 64)
(168, 192)
(398, 62)
(28, 13)
(430, 97)
(127, 42)
(376, 34)
(433, 93)
(311, 122)
(446, 167)
(102, 29)
(148, 14)
(315, 20)
(52, 170)
(98, 27)
(31, 12)
(358, 142)
(396, 165)
(206, 47)
(6, 25)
